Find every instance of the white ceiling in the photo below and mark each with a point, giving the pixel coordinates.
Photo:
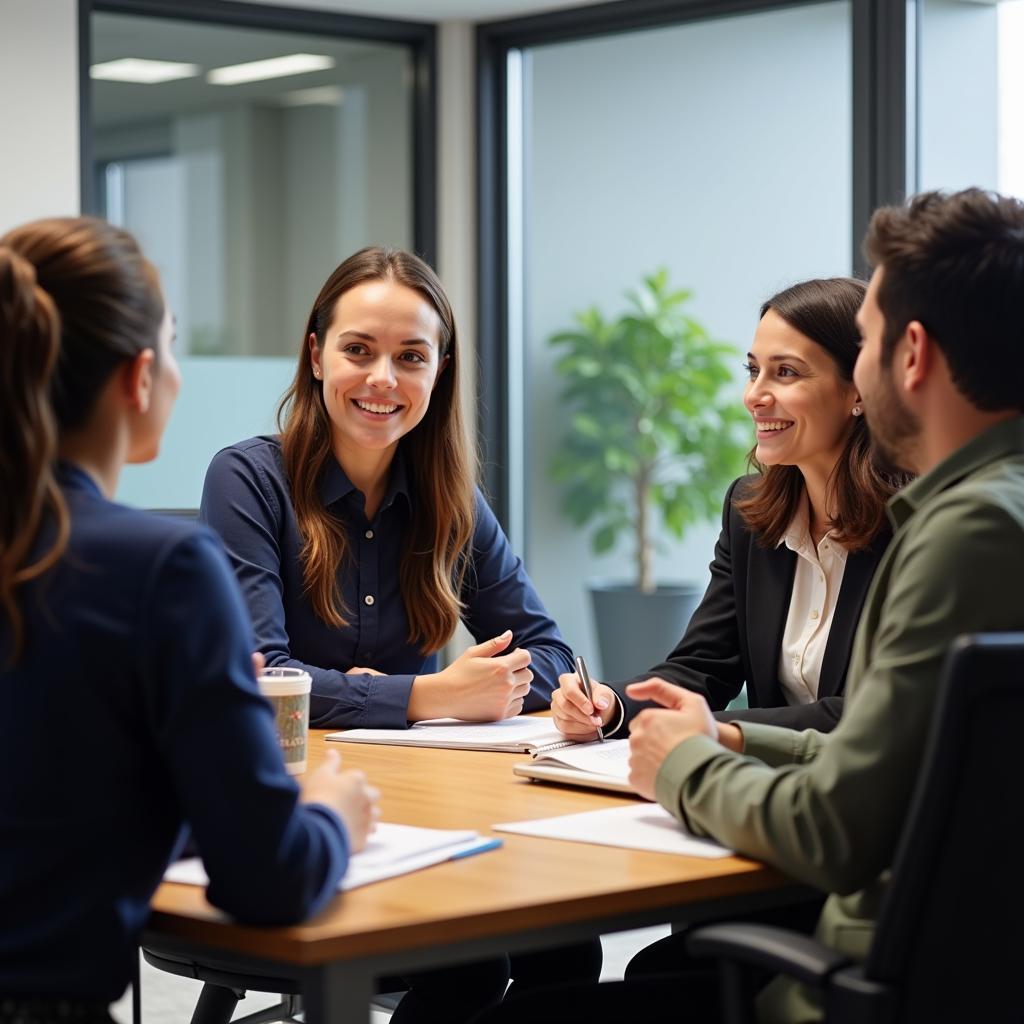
(434, 10)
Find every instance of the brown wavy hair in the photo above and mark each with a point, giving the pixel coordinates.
(824, 310)
(434, 558)
(77, 298)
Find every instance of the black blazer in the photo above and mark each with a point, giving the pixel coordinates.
(735, 635)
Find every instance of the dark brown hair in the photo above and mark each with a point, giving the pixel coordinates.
(434, 550)
(77, 298)
(955, 263)
(824, 310)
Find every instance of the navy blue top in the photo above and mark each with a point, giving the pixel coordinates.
(247, 499)
(131, 711)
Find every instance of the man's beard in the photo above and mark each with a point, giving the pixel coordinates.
(894, 428)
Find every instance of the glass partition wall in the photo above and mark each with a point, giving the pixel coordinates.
(250, 158)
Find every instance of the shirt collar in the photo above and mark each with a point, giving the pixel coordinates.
(798, 535)
(75, 478)
(335, 484)
(1006, 438)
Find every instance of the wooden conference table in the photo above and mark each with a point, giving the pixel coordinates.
(530, 893)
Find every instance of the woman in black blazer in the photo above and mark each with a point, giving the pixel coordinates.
(818, 491)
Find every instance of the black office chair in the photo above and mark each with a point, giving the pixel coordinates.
(948, 943)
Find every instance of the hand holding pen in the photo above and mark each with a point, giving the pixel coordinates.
(576, 712)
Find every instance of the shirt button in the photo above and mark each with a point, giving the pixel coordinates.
(368, 600)
(815, 613)
(368, 535)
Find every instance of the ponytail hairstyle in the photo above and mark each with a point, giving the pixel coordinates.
(77, 299)
(824, 310)
(434, 558)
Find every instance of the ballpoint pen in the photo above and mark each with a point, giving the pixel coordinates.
(588, 690)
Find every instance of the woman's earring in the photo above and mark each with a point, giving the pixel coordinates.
(316, 373)
(857, 410)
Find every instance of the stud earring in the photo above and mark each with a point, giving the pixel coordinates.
(857, 410)
(316, 373)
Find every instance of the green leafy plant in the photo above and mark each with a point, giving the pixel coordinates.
(650, 429)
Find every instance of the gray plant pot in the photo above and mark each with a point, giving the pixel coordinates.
(637, 630)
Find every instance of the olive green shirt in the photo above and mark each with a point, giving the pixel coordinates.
(827, 809)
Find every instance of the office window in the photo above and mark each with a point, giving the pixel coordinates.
(718, 149)
(971, 95)
(249, 160)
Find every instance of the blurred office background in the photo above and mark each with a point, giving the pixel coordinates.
(542, 155)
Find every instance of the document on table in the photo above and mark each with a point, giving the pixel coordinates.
(635, 826)
(523, 734)
(598, 765)
(390, 851)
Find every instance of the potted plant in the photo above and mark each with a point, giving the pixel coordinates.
(652, 437)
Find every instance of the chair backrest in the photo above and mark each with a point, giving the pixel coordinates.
(191, 514)
(949, 935)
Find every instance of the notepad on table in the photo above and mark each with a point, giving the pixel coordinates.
(391, 850)
(635, 826)
(523, 734)
(597, 765)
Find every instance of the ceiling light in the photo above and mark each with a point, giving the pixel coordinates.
(321, 96)
(276, 67)
(141, 71)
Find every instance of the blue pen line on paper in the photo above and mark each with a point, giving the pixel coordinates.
(491, 844)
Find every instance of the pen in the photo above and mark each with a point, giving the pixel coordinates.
(588, 690)
(482, 847)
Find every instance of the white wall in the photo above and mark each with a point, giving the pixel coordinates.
(720, 150)
(39, 112)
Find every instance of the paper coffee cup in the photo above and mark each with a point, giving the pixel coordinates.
(288, 690)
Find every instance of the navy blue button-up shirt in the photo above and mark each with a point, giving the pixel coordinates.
(246, 499)
(131, 711)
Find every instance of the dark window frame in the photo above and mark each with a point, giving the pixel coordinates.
(879, 170)
(419, 37)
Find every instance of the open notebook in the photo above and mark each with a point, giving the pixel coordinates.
(524, 734)
(595, 765)
(390, 851)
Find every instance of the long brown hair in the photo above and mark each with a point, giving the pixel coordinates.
(435, 548)
(77, 298)
(824, 311)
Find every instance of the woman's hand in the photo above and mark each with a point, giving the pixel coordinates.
(481, 685)
(575, 717)
(348, 793)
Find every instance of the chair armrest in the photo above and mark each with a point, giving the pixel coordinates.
(775, 949)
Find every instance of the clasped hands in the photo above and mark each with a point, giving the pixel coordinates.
(653, 733)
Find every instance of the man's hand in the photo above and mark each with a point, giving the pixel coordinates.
(656, 732)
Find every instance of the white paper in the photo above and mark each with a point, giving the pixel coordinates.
(610, 757)
(391, 850)
(636, 826)
(520, 733)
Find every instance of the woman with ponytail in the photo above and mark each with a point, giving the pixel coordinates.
(126, 678)
(358, 534)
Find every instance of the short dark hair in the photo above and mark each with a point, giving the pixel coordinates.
(825, 311)
(955, 263)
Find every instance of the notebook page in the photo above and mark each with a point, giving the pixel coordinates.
(520, 733)
(608, 758)
(391, 850)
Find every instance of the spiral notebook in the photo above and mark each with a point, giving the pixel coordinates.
(594, 765)
(525, 734)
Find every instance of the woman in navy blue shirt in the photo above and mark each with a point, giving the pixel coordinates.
(358, 535)
(126, 676)
(360, 540)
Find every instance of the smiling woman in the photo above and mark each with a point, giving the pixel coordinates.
(360, 541)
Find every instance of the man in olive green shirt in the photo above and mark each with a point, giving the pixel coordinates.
(941, 378)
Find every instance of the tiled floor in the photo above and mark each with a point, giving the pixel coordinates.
(170, 1000)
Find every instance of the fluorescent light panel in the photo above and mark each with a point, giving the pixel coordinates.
(275, 67)
(142, 71)
(320, 96)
